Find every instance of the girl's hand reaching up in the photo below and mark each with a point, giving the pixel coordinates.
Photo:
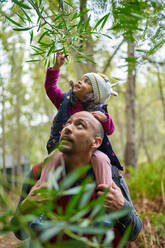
(60, 60)
(99, 115)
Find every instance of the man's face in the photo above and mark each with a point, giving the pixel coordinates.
(77, 134)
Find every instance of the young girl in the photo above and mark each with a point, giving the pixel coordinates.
(89, 94)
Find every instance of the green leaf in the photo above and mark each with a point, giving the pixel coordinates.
(31, 37)
(72, 191)
(106, 35)
(105, 20)
(96, 210)
(22, 19)
(16, 23)
(28, 18)
(68, 4)
(50, 49)
(58, 17)
(70, 179)
(87, 195)
(22, 29)
(77, 15)
(74, 201)
(42, 35)
(125, 237)
(102, 20)
(79, 214)
(115, 215)
(51, 229)
(86, 58)
(40, 2)
(54, 177)
(109, 237)
(33, 60)
(21, 4)
(37, 48)
(87, 229)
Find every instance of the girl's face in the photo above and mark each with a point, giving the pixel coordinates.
(82, 88)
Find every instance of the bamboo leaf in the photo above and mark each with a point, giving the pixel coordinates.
(87, 229)
(22, 19)
(102, 20)
(14, 22)
(77, 15)
(33, 60)
(31, 37)
(21, 4)
(105, 20)
(22, 29)
(106, 35)
(41, 37)
(68, 4)
(51, 229)
(72, 177)
(37, 48)
(125, 237)
(28, 18)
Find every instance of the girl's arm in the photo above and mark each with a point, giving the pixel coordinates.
(54, 93)
(106, 121)
(108, 124)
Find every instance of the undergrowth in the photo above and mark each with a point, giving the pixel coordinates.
(146, 186)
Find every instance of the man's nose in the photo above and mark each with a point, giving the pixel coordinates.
(68, 129)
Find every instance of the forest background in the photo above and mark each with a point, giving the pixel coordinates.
(124, 40)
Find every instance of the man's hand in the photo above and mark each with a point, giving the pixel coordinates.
(114, 198)
(60, 60)
(33, 199)
(99, 115)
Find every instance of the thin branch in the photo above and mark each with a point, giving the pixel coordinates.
(110, 59)
(156, 62)
(40, 15)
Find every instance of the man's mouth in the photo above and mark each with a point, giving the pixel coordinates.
(66, 139)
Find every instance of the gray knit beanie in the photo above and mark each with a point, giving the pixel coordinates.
(102, 88)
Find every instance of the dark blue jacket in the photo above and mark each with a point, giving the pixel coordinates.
(61, 118)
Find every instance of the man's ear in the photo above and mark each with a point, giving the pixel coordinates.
(96, 142)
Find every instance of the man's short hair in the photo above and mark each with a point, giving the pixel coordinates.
(99, 130)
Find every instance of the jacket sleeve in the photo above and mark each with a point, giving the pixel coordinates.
(132, 217)
(26, 187)
(108, 125)
(53, 92)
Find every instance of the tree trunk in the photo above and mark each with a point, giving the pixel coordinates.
(3, 130)
(18, 132)
(130, 148)
(16, 80)
(161, 91)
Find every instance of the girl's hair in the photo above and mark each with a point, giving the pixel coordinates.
(88, 103)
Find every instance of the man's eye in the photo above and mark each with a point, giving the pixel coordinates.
(67, 123)
(80, 124)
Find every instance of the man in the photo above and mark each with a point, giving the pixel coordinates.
(82, 136)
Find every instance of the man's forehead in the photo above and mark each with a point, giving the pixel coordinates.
(86, 117)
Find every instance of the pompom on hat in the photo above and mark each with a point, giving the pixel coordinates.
(102, 88)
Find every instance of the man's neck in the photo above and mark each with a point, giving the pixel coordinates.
(72, 162)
